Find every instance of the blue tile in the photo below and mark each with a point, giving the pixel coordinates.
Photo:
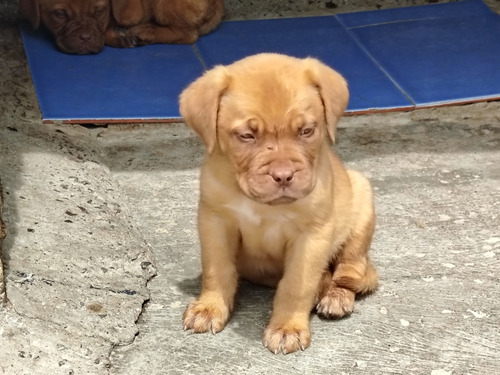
(448, 57)
(465, 8)
(116, 84)
(393, 59)
(321, 37)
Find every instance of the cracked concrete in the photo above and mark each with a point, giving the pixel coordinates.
(75, 264)
(101, 254)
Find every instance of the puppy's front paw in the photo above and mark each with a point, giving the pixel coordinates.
(120, 37)
(201, 316)
(336, 302)
(286, 338)
(142, 35)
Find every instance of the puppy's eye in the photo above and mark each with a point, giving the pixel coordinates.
(307, 132)
(60, 14)
(100, 11)
(246, 137)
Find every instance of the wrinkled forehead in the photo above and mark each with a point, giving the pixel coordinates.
(275, 98)
(73, 5)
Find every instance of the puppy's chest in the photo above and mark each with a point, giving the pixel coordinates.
(265, 230)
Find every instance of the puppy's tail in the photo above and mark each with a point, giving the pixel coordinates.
(361, 278)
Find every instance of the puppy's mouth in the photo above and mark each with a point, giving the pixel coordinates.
(80, 48)
(273, 195)
(281, 200)
(281, 197)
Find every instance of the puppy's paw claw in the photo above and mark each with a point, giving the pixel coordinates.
(204, 317)
(336, 303)
(286, 339)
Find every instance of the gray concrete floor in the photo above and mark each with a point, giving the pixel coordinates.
(102, 256)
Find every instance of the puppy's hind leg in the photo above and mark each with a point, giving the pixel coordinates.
(154, 34)
(129, 13)
(338, 290)
(213, 17)
(351, 272)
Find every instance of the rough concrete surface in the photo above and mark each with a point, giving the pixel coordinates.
(2, 236)
(93, 214)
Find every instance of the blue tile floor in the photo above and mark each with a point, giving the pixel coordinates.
(394, 59)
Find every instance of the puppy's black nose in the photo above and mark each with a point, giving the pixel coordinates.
(282, 175)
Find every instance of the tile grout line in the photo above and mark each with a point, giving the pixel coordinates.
(198, 56)
(379, 66)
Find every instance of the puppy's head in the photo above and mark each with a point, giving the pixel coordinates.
(270, 115)
(78, 26)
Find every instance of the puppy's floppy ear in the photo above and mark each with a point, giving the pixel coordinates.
(333, 90)
(30, 9)
(199, 104)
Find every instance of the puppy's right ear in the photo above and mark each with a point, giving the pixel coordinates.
(30, 9)
(199, 104)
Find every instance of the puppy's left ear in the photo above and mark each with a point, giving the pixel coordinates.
(30, 9)
(333, 90)
(199, 104)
